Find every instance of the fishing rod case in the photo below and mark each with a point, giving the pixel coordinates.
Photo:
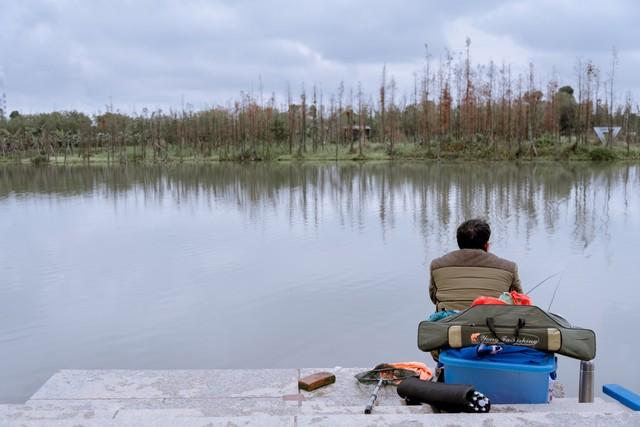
(523, 325)
(444, 397)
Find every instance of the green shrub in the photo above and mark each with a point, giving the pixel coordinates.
(545, 141)
(480, 139)
(601, 155)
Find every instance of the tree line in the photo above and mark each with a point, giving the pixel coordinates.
(453, 106)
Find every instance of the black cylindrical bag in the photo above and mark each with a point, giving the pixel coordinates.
(444, 397)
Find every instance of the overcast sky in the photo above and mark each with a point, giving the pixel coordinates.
(85, 54)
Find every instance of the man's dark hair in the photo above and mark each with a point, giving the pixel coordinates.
(473, 234)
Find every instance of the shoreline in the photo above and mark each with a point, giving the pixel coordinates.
(595, 155)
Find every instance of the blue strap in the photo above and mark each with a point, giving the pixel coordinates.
(626, 397)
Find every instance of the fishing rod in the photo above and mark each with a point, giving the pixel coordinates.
(547, 278)
(553, 297)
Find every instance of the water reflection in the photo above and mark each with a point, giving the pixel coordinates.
(434, 195)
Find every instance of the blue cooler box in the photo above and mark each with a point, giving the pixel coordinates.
(520, 375)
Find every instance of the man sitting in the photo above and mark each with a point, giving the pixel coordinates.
(461, 276)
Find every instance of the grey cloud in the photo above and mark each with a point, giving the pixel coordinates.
(570, 27)
(79, 54)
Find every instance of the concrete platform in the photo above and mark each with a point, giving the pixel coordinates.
(264, 397)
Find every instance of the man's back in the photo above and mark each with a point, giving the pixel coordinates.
(461, 276)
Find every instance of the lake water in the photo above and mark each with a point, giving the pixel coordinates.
(285, 265)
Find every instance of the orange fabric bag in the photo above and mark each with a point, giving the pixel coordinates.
(487, 300)
(419, 367)
(518, 299)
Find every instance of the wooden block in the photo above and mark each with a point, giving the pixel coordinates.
(317, 380)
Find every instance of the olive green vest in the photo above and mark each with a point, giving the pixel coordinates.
(463, 275)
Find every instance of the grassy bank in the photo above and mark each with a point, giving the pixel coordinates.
(370, 152)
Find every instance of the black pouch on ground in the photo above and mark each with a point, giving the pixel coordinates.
(444, 397)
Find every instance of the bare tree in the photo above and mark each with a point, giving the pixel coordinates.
(612, 72)
(627, 121)
(303, 122)
(291, 118)
(383, 88)
(392, 114)
(362, 114)
(339, 121)
(314, 120)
